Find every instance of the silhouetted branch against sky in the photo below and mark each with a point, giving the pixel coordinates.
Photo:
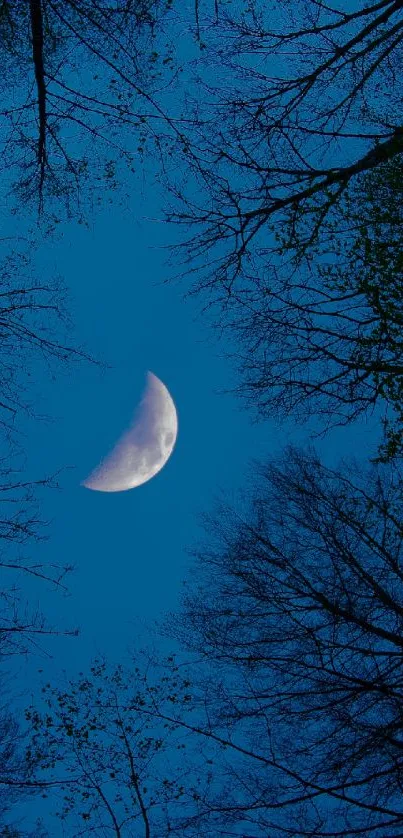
(324, 338)
(17, 781)
(280, 147)
(301, 630)
(82, 77)
(307, 100)
(36, 340)
(296, 154)
(121, 767)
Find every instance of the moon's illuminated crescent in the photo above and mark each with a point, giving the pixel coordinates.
(144, 449)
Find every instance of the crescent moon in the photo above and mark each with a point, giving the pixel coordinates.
(144, 449)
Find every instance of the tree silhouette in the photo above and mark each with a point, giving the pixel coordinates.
(307, 99)
(325, 340)
(118, 765)
(78, 86)
(297, 607)
(34, 342)
(17, 774)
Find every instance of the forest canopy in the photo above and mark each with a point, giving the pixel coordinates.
(273, 134)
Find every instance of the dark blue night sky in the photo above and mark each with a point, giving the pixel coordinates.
(129, 553)
(129, 548)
